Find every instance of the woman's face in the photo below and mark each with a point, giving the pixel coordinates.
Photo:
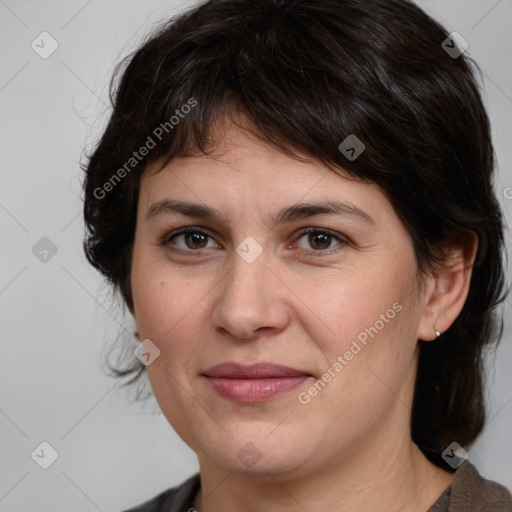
(339, 307)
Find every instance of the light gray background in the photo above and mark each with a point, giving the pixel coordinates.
(56, 316)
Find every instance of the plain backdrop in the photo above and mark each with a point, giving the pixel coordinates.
(56, 316)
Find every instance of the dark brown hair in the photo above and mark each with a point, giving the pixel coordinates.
(307, 74)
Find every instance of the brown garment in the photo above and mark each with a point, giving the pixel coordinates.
(468, 492)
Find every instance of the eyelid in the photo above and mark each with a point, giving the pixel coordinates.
(342, 239)
(312, 229)
(168, 236)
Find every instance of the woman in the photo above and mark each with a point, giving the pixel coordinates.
(294, 199)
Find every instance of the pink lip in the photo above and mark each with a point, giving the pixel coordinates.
(253, 383)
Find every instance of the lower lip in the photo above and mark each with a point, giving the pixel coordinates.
(254, 390)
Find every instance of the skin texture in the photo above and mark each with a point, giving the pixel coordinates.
(349, 447)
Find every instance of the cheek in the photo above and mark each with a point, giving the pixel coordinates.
(343, 307)
(368, 322)
(367, 350)
(161, 305)
(168, 312)
(169, 309)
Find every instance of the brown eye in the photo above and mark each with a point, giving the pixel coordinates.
(320, 240)
(189, 239)
(195, 240)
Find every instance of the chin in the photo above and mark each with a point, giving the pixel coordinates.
(258, 454)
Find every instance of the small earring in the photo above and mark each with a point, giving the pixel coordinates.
(437, 333)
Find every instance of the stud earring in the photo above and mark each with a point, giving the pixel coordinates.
(437, 333)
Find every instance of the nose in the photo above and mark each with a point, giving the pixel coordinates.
(251, 300)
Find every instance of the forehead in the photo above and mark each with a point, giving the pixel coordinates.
(236, 153)
(243, 172)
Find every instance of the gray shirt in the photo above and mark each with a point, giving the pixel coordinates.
(468, 492)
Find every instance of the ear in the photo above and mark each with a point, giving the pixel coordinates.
(447, 289)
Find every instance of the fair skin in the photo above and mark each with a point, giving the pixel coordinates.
(300, 303)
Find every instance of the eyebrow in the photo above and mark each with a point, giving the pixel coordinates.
(285, 215)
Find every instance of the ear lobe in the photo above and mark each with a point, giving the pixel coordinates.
(449, 286)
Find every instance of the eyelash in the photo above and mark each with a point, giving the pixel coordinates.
(164, 241)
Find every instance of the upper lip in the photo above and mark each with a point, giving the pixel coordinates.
(233, 370)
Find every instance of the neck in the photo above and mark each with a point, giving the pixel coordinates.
(399, 477)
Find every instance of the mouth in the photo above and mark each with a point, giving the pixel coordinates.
(253, 383)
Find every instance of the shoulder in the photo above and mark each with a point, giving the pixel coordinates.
(470, 485)
(175, 499)
(469, 491)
